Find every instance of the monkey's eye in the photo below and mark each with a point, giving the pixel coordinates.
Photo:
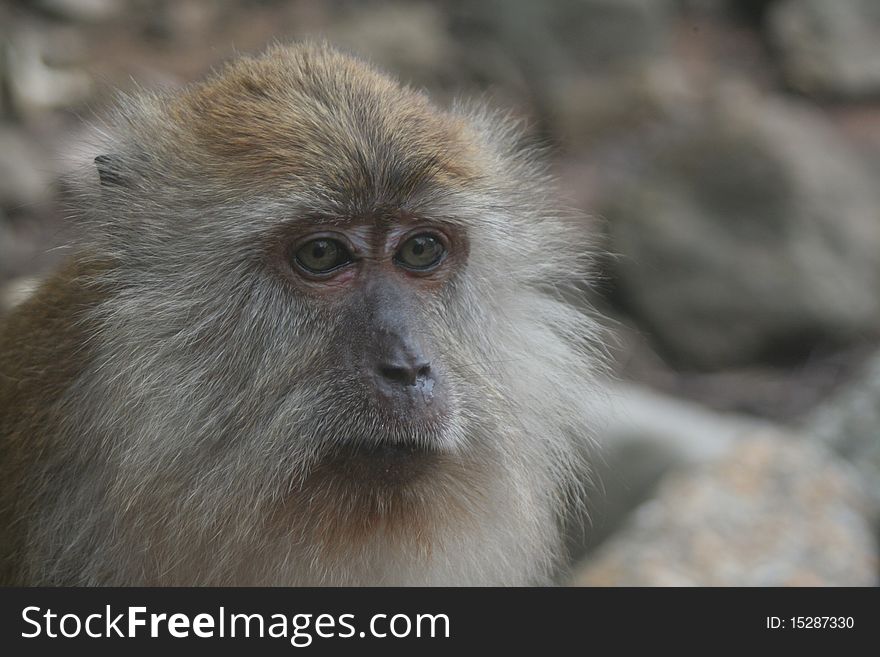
(423, 251)
(322, 255)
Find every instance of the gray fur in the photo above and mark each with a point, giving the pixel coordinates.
(210, 390)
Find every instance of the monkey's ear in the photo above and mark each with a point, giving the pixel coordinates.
(109, 171)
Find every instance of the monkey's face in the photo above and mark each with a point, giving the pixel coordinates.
(376, 284)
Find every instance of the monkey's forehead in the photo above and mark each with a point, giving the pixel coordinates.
(313, 117)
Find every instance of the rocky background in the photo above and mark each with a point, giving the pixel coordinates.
(725, 153)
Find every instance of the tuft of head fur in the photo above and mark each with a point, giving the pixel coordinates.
(166, 399)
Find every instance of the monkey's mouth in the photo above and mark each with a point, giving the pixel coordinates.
(383, 462)
(391, 451)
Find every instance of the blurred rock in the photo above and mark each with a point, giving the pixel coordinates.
(579, 63)
(773, 511)
(34, 82)
(15, 291)
(81, 10)
(179, 21)
(689, 433)
(850, 425)
(749, 231)
(829, 47)
(584, 109)
(25, 180)
(24, 248)
(601, 36)
(644, 435)
(411, 40)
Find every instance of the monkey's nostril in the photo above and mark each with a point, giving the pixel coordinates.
(404, 374)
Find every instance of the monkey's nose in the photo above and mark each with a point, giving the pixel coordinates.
(404, 372)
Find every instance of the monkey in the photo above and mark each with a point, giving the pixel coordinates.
(312, 331)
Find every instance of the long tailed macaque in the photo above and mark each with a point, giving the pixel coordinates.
(312, 333)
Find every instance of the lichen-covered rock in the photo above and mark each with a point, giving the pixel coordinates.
(850, 424)
(774, 511)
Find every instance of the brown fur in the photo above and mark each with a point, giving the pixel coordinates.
(43, 347)
(235, 116)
